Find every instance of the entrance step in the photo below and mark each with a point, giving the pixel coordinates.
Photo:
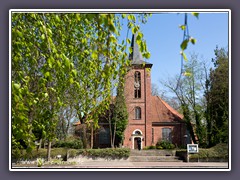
(152, 152)
(154, 156)
(154, 159)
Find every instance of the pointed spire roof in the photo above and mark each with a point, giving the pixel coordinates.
(136, 55)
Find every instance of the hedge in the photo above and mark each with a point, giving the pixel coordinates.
(216, 153)
(113, 153)
(219, 151)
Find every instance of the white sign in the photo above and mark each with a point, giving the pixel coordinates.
(192, 148)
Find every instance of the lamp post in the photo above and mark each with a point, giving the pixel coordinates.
(185, 143)
(185, 140)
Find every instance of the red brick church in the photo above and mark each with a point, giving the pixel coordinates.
(149, 117)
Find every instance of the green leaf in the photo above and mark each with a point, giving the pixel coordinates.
(45, 95)
(195, 14)
(74, 72)
(78, 85)
(71, 80)
(43, 36)
(19, 33)
(78, 17)
(49, 31)
(183, 27)
(112, 27)
(47, 74)
(130, 50)
(139, 36)
(50, 61)
(123, 16)
(16, 86)
(147, 55)
(131, 18)
(58, 63)
(184, 56)
(184, 44)
(57, 18)
(135, 29)
(84, 41)
(94, 55)
(187, 74)
(112, 39)
(130, 25)
(193, 41)
(67, 62)
(52, 89)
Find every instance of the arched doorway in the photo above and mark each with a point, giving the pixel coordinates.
(137, 134)
(136, 139)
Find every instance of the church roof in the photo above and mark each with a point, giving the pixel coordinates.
(136, 55)
(163, 112)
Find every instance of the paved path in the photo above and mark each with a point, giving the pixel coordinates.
(136, 165)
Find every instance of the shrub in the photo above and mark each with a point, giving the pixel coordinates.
(41, 153)
(149, 147)
(40, 162)
(117, 153)
(219, 151)
(165, 145)
(17, 154)
(71, 142)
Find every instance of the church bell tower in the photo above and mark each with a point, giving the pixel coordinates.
(138, 98)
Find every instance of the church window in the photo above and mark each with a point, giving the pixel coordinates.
(137, 113)
(137, 84)
(167, 134)
(137, 133)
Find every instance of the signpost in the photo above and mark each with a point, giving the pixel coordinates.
(191, 149)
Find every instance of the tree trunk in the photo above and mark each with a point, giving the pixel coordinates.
(114, 133)
(49, 151)
(188, 123)
(40, 144)
(91, 136)
(110, 131)
(84, 138)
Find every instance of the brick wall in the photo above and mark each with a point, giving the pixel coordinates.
(152, 110)
(132, 103)
(148, 101)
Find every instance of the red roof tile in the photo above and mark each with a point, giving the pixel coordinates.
(163, 112)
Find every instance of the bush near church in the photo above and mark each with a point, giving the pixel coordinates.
(70, 142)
(165, 145)
(108, 153)
(161, 145)
(214, 154)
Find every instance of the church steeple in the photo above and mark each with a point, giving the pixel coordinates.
(136, 56)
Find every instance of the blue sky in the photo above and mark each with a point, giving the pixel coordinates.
(164, 37)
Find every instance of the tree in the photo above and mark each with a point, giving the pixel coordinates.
(63, 59)
(66, 116)
(120, 114)
(155, 90)
(189, 91)
(217, 95)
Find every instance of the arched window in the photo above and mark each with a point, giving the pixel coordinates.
(137, 84)
(137, 113)
(137, 133)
